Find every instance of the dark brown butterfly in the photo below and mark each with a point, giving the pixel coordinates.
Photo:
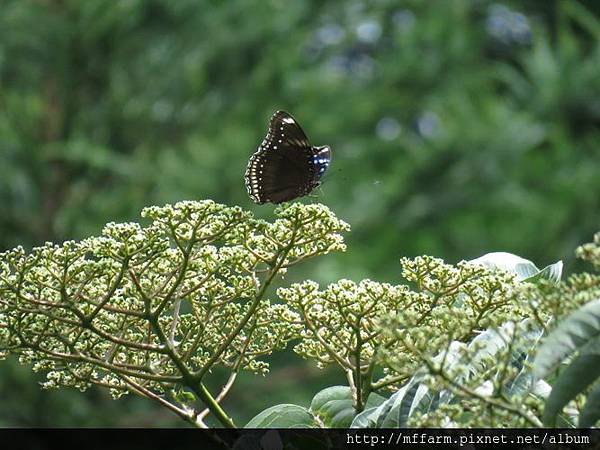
(285, 166)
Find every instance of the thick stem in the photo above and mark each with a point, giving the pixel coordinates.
(358, 379)
(189, 380)
(200, 390)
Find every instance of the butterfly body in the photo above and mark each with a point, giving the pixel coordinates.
(285, 166)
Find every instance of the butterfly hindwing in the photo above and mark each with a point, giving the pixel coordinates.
(277, 177)
(285, 166)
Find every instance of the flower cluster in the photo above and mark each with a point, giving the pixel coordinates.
(352, 323)
(591, 252)
(549, 302)
(489, 376)
(341, 322)
(148, 309)
(301, 232)
(367, 326)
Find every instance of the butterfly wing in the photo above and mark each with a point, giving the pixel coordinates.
(271, 177)
(285, 166)
(283, 129)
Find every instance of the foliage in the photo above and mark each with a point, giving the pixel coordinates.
(483, 383)
(524, 270)
(331, 407)
(342, 323)
(154, 310)
(425, 341)
(456, 130)
(574, 343)
(448, 135)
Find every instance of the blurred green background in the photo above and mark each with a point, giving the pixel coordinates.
(457, 128)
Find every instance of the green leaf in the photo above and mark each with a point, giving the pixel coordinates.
(386, 415)
(489, 343)
(366, 419)
(430, 402)
(553, 272)
(416, 398)
(185, 397)
(523, 382)
(582, 372)
(283, 416)
(591, 411)
(334, 406)
(407, 403)
(573, 333)
(375, 400)
(521, 267)
(541, 389)
(524, 269)
(395, 411)
(374, 417)
(493, 341)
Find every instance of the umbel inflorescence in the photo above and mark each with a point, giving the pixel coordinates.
(154, 309)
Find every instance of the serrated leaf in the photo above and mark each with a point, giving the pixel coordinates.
(283, 416)
(582, 372)
(573, 333)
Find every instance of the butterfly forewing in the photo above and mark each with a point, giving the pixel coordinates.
(285, 166)
(284, 130)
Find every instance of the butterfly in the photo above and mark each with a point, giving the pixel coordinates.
(285, 166)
